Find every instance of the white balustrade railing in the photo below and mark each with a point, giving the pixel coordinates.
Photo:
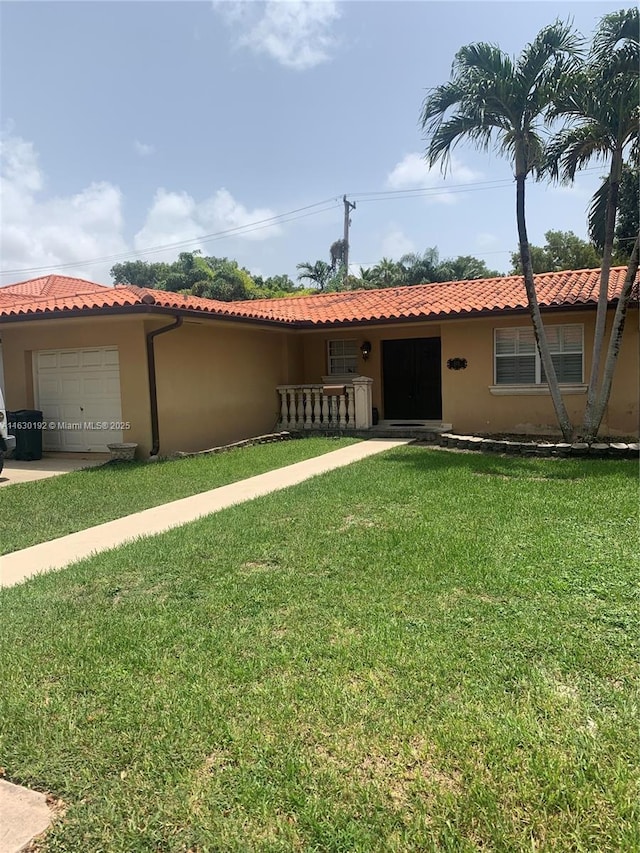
(310, 406)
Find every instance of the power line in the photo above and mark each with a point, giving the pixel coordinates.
(417, 192)
(438, 189)
(240, 230)
(283, 218)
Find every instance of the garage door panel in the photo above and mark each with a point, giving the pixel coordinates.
(79, 391)
(113, 386)
(91, 358)
(70, 386)
(49, 387)
(93, 386)
(47, 360)
(69, 358)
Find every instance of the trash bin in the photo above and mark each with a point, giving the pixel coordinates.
(26, 425)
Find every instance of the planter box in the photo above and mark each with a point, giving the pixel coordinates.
(125, 452)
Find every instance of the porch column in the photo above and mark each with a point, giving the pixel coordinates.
(362, 392)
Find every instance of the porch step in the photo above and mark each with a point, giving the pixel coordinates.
(387, 429)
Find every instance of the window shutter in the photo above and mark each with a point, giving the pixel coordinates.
(518, 370)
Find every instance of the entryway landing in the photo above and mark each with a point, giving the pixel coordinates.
(409, 428)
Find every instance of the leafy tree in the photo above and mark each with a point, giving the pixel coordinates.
(140, 274)
(318, 274)
(467, 268)
(563, 250)
(494, 100)
(387, 273)
(601, 102)
(366, 280)
(422, 268)
(228, 283)
(275, 286)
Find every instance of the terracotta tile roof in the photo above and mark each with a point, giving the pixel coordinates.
(58, 295)
(99, 297)
(52, 285)
(423, 301)
(12, 298)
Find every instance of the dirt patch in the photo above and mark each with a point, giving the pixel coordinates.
(253, 567)
(402, 772)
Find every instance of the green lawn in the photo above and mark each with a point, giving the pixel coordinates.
(425, 651)
(45, 509)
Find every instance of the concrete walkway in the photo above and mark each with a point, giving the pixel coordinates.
(20, 565)
(23, 815)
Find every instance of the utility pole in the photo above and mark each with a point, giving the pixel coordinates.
(348, 207)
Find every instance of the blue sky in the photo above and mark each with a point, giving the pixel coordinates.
(128, 126)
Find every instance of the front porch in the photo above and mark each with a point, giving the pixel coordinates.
(345, 406)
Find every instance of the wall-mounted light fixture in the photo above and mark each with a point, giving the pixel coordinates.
(457, 363)
(365, 349)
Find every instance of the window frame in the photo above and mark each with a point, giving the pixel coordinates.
(538, 382)
(342, 358)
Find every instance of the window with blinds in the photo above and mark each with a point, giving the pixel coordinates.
(343, 357)
(517, 361)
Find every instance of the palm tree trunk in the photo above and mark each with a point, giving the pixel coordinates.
(589, 425)
(615, 339)
(536, 317)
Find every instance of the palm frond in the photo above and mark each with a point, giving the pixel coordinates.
(449, 133)
(439, 101)
(597, 215)
(484, 59)
(553, 42)
(573, 148)
(615, 42)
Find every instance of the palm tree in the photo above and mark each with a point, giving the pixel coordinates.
(493, 99)
(366, 279)
(388, 273)
(602, 104)
(317, 274)
(422, 268)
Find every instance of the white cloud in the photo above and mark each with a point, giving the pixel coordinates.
(142, 148)
(396, 244)
(296, 33)
(37, 231)
(46, 232)
(413, 172)
(176, 216)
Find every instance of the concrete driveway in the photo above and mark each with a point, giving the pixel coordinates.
(51, 465)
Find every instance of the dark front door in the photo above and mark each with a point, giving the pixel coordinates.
(411, 379)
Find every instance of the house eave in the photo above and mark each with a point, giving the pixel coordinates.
(458, 315)
(282, 324)
(128, 310)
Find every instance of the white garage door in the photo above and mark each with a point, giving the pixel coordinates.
(79, 394)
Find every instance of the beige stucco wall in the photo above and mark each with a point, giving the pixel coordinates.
(469, 405)
(467, 402)
(217, 382)
(21, 340)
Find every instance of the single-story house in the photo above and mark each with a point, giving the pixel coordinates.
(172, 372)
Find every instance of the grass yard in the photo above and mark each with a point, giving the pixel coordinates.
(45, 509)
(425, 651)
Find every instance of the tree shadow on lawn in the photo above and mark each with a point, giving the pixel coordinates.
(429, 459)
